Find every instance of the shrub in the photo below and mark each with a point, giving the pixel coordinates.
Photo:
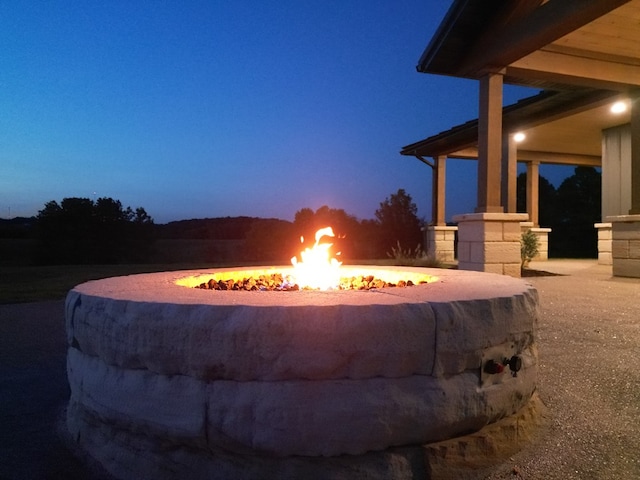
(529, 247)
(412, 258)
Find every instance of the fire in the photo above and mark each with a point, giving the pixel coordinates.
(317, 270)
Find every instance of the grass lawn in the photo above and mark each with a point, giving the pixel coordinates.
(35, 283)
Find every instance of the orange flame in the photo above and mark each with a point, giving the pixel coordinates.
(317, 270)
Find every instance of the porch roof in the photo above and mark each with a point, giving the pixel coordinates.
(583, 53)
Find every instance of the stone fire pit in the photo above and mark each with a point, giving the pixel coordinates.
(172, 382)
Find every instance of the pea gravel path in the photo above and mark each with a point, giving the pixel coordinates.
(589, 345)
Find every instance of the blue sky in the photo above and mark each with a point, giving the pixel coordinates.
(196, 109)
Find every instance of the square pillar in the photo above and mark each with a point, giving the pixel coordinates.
(438, 190)
(635, 154)
(490, 242)
(509, 174)
(625, 245)
(533, 191)
(441, 242)
(490, 144)
(604, 243)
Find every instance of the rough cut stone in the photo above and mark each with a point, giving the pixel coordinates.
(179, 381)
(313, 418)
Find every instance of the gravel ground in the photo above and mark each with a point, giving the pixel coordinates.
(589, 352)
(589, 345)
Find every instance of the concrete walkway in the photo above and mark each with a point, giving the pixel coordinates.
(589, 342)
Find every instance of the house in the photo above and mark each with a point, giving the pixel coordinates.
(584, 56)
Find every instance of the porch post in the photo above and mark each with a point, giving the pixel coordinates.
(625, 229)
(533, 192)
(440, 237)
(635, 154)
(489, 240)
(438, 189)
(509, 173)
(490, 144)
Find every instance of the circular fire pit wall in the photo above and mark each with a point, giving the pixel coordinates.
(169, 381)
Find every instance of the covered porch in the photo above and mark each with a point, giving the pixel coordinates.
(583, 55)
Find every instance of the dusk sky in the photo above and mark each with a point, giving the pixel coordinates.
(195, 109)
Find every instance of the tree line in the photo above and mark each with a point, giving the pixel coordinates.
(102, 231)
(83, 231)
(570, 211)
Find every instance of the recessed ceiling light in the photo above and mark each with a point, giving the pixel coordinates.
(619, 107)
(518, 137)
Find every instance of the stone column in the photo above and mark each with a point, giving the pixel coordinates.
(533, 191)
(441, 242)
(625, 245)
(604, 243)
(490, 242)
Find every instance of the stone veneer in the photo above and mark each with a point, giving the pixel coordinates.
(441, 242)
(605, 238)
(490, 242)
(625, 245)
(172, 382)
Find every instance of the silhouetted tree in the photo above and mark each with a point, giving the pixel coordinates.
(547, 200)
(345, 227)
(570, 212)
(579, 204)
(81, 231)
(270, 240)
(398, 220)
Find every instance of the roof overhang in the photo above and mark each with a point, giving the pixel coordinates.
(584, 53)
(561, 128)
(553, 44)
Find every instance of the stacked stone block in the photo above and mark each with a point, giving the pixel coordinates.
(625, 245)
(490, 242)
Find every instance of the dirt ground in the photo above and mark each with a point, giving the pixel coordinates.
(589, 345)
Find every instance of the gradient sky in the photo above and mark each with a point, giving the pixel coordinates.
(211, 108)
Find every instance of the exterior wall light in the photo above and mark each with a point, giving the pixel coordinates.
(619, 107)
(519, 137)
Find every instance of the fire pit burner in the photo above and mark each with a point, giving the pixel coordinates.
(281, 282)
(173, 382)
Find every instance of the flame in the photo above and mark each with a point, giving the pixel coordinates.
(317, 270)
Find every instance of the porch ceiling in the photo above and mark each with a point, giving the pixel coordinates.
(552, 44)
(584, 53)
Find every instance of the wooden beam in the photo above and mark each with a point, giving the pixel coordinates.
(490, 144)
(438, 191)
(509, 173)
(544, 25)
(577, 70)
(533, 192)
(550, 158)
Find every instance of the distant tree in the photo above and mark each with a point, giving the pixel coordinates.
(270, 240)
(81, 231)
(345, 227)
(579, 204)
(398, 220)
(547, 200)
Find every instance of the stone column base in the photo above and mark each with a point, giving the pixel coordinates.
(490, 242)
(543, 239)
(441, 242)
(604, 243)
(625, 245)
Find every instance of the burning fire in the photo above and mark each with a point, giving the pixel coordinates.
(317, 270)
